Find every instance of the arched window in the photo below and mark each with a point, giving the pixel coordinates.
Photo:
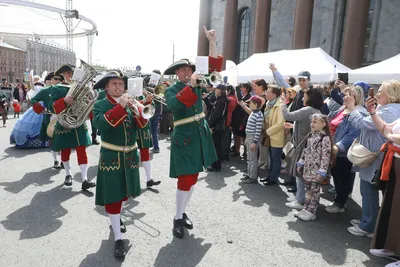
(244, 34)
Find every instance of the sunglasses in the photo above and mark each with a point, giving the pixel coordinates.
(57, 79)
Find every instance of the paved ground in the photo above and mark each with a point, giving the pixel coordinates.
(45, 224)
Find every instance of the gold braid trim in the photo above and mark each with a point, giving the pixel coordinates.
(65, 131)
(110, 168)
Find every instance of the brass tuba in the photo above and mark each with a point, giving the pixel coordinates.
(84, 96)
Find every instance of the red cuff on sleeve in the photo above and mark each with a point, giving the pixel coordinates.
(215, 64)
(59, 106)
(91, 115)
(116, 115)
(140, 121)
(187, 97)
(38, 108)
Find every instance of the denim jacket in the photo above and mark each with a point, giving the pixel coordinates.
(345, 134)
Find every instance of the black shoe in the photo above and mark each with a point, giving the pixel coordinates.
(263, 180)
(122, 226)
(68, 180)
(119, 250)
(152, 182)
(56, 165)
(286, 183)
(86, 185)
(186, 221)
(156, 150)
(212, 169)
(62, 165)
(292, 190)
(178, 228)
(95, 142)
(269, 182)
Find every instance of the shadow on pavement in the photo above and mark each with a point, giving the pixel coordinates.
(39, 178)
(186, 252)
(328, 236)
(105, 255)
(13, 152)
(216, 180)
(41, 216)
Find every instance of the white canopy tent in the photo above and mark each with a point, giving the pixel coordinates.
(289, 63)
(377, 73)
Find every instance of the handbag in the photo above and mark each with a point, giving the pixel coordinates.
(377, 182)
(361, 156)
(291, 149)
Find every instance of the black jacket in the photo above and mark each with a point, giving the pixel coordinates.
(218, 113)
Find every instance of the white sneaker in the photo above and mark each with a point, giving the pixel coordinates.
(382, 253)
(298, 213)
(291, 199)
(307, 216)
(332, 208)
(393, 264)
(355, 222)
(294, 205)
(357, 231)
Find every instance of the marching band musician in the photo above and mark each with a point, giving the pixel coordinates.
(44, 97)
(145, 143)
(65, 139)
(192, 148)
(118, 168)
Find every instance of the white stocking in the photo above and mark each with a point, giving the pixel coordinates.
(67, 167)
(115, 224)
(180, 203)
(84, 170)
(54, 154)
(147, 169)
(122, 205)
(188, 197)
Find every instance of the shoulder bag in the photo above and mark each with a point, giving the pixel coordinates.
(361, 156)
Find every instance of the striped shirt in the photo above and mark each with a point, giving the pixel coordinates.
(254, 125)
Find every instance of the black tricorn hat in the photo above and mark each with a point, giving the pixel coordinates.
(49, 76)
(115, 74)
(178, 64)
(64, 68)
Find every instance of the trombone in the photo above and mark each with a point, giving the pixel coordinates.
(157, 98)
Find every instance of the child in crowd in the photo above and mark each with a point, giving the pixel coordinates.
(17, 108)
(314, 163)
(252, 142)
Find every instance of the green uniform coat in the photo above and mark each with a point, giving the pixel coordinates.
(192, 147)
(66, 138)
(44, 96)
(118, 172)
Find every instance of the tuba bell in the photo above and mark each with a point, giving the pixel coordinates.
(84, 96)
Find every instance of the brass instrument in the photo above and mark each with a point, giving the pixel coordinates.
(147, 112)
(215, 79)
(84, 96)
(155, 97)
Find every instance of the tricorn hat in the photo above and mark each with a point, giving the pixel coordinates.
(115, 74)
(176, 65)
(64, 68)
(49, 76)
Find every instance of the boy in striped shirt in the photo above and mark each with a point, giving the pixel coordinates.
(253, 136)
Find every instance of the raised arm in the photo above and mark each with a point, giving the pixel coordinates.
(278, 77)
(297, 115)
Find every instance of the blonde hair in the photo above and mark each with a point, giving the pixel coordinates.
(358, 94)
(392, 90)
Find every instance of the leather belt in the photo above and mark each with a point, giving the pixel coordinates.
(194, 118)
(119, 148)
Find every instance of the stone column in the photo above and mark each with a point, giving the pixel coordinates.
(204, 20)
(263, 18)
(302, 24)
(230, 31)
(354, 33)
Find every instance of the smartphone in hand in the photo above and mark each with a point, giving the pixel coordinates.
(371, 92)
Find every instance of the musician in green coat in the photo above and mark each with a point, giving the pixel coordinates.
(65, 139)
(40, 103)
(192, 148)
(118, 169)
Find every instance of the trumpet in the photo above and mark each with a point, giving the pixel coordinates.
(138, 109)
(214, 79)
(155, 97)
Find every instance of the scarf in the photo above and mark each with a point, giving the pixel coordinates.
(388, 160)
(270, 105)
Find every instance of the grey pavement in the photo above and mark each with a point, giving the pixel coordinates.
(43, 223)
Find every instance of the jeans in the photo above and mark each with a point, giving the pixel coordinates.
(275, 154)
(252, 162)
(154, 129)
(370, 206)
(343, 179)
(301, 193)
(218, 139)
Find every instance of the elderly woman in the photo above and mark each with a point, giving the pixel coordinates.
(312, 104)
(386, 241)
(344, 133)
(274, 132)
(388, 110)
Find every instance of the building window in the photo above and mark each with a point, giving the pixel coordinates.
(369, 27)
(244, 34)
